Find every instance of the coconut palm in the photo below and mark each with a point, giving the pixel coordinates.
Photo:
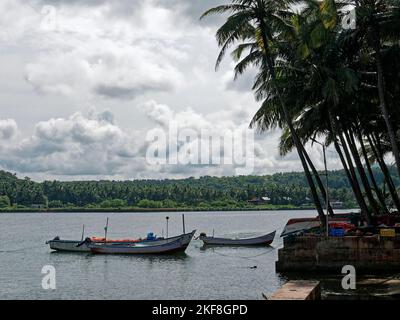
(338, 88)
(321, 82)
(316, 79)
(257, 27)
(378, 22)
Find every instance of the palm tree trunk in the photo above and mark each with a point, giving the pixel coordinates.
(385, 171)
(318, 180)
(269, 63)
(382, 98)
(361, 172)
(370, 172)
(359, 195)
(354, 183)
(310, 181)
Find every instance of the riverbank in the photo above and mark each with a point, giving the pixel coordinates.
(143, 210)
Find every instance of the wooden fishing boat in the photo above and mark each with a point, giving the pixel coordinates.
(167, 247)
(82, 246)
(67, 245)
(262, 240)
(303, 224)
(74, 245)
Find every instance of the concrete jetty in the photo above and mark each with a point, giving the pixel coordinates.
(315, 253)
(298, 290)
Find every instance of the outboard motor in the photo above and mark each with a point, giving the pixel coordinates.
(86, 241)
(55, 239)
(151, 236)
(202, 235)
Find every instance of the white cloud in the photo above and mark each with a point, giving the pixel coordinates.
(89, 53)
(120, 56)
(86, 52)
(72, 146)
(93, 146)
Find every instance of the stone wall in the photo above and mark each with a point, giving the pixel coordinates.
(312, 253)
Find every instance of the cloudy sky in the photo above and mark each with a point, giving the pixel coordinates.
(84, 81)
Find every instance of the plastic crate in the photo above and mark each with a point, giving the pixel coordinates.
(336, 232)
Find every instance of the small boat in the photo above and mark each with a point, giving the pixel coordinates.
(262, 240)
(179, 244)
(303, 224)
(82, 246)
(66, 245)
(74, 245)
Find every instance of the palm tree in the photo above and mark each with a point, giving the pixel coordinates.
(317, 80)
(320, 84)
(257, 25)
(378, 22)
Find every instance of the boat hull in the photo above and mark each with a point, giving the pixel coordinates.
(78, 246)
(178, 245)
(263, 240)
(67, 246)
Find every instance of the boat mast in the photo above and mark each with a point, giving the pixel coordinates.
(326, 184)
(105, 231)
(83, 232)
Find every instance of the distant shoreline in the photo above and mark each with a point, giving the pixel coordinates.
(144, 210)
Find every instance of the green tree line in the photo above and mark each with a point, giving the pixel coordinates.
(283, 189)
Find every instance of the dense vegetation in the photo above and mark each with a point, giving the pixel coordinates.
(284, 190)
(320, 77)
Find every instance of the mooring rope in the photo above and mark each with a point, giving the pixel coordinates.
(244, 257)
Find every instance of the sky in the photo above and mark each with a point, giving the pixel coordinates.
(85, 82)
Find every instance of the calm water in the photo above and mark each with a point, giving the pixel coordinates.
(213, 273)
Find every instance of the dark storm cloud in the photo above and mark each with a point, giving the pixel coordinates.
(243, 83)
(193, 9)
(118, 92)
(8, 129)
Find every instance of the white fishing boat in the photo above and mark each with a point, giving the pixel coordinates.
(82, 246)
(261, 240)
(167, 247)
(58, 244)
(67, 245)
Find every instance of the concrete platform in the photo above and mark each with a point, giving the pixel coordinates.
(312, 253)
(298, 290)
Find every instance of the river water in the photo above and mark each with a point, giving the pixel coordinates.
(211, 273)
